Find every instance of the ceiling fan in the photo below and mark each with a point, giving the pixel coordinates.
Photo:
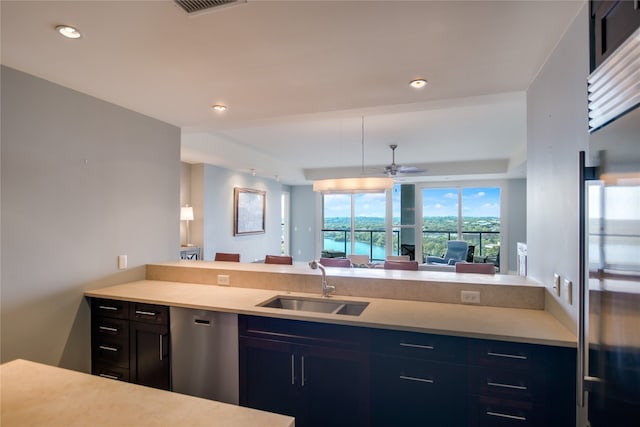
(394, 170)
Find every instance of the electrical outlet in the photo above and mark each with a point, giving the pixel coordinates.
(223, 279)
(556, 283)
(122, 262)
(568, 291)
(470, 297)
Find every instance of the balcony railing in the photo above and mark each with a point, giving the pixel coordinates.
(486, 242)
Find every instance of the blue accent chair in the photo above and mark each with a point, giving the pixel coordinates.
(456, 251)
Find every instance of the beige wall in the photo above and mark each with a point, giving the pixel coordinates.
(83, 181)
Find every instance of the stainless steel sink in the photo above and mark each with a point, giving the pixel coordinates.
(316, 305)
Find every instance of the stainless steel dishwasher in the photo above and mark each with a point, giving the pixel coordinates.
(204, 354)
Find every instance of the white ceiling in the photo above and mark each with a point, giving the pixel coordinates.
(298, 76)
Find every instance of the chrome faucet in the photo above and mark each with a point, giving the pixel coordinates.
(326, 288)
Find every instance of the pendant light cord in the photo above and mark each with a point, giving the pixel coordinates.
(362, 171)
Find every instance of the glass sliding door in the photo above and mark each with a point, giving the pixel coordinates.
(440, 216)
(354, 224)
(369, 217)
(481, 222)
(336, 227)
(471, 214)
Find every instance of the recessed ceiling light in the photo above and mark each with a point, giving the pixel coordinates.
(68, 32)
(219, 107)
(418, 83)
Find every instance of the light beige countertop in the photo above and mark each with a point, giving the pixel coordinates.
(39, 395)
(535, 326)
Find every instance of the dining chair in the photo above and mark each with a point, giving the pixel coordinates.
(401, 265)
(222, 256)
(475, 267)
(359, 259)
(336, 262)
(398, 258)
(278, 259)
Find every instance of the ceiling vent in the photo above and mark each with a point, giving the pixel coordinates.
(200, 6)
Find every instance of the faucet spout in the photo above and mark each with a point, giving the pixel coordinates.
(326, 288)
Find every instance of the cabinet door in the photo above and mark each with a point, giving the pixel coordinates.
(413, 392)
(334, 384)
(613, 22)
(149, 355)
(269, 373)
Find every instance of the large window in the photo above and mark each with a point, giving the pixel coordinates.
(354, 224)
(462, 213)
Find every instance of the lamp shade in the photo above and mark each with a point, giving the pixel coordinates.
(186, 213)
(348, 185)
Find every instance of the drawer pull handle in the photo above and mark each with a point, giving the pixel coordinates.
(108, 307)
(108, 328)
(509, 356)
(104, 347)
(512, 386)
(161, 346)
(501, 415)
(111, 377)
(421, 380)
(293, 370)
(146, 313)
(202, 322)
(424, 347)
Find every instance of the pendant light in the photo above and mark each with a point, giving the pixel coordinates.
(354, 185)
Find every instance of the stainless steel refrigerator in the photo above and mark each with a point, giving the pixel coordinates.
(609, 291)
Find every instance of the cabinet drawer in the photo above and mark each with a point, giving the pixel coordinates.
(491, 412)
(111, 372)
(149, 313)
(419, 346)
(424, 376)
(302, 332)
(113, 329)
(502, 383)
(110, 308)
(502, 355)
(413, 392)
(108, 351)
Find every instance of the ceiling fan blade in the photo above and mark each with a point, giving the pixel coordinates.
(410, 169)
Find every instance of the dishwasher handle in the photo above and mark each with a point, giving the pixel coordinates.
(202, 322)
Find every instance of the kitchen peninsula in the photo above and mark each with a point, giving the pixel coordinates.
(409, 349)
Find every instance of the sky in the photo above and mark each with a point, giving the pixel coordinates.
(480, 201)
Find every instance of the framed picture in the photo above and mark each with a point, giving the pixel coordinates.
(248, 211)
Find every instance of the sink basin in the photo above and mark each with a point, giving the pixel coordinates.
(316, 305)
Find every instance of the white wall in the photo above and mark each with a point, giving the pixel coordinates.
(516, 229)
(212, 200)
(185, 198)
(556, 132)
(83, 181)
(306, 221)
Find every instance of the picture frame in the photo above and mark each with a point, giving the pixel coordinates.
(248, 211)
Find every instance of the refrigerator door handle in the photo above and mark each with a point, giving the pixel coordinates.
(582, 285)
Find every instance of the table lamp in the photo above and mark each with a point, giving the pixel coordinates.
(186, 214)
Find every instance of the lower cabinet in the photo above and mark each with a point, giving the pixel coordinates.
(130, 342)
(329, 375)
(317, 373)
(513, 384)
